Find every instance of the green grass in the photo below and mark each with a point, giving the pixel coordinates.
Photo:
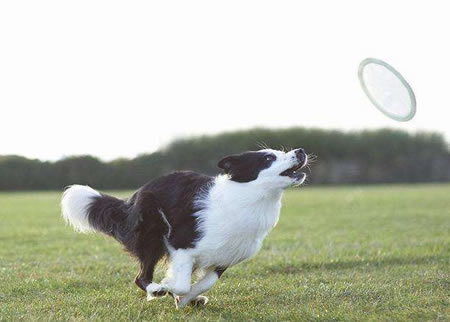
(338, 253)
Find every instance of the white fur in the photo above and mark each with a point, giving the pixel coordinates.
(164, 218)
(154, 288)
(178, 276)
(74, 204)
(235, 221)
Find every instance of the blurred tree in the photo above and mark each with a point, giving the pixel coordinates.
(343, 157)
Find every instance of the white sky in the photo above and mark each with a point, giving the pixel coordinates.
(119, 78)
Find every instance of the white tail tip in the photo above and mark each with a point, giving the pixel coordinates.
(75, 202)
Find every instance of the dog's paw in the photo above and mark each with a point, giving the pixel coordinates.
(199, 301)
(181, 302)
(155, 290)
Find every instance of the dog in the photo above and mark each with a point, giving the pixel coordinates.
(202, 224)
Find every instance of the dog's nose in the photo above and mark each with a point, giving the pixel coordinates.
(301, 154)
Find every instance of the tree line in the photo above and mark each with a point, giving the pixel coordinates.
(378, 156)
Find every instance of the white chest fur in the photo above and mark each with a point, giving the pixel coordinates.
(235, 220)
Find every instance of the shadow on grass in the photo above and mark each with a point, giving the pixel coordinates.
(342, 265)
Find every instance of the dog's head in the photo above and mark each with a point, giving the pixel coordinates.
(270, 168)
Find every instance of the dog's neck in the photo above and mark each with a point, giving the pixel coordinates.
(248, 191)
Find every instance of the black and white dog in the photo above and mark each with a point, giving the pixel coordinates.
(204, 224)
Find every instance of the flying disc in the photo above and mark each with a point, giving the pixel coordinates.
(387, 89)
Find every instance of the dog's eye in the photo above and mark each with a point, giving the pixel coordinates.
(270, 157)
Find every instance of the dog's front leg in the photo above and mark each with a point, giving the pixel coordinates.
(178, 276)
(200, 287)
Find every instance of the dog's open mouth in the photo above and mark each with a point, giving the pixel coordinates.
(294, 172)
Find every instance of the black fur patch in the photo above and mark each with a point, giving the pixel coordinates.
(246, 166)
(140, 222)
(148, 236)
(176, 194)
(110, 216)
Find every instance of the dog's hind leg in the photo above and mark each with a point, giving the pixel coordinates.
(145, 275)
(149, 245)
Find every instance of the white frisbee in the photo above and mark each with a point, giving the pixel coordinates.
(387, 89)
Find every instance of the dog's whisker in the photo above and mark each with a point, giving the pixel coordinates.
(312, 158)
(262, 145)
(309, 169)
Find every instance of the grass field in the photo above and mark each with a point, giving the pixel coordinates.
(338, 253)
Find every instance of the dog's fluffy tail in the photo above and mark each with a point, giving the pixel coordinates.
(86, 210)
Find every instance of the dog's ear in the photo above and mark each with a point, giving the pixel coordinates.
(227, 163)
